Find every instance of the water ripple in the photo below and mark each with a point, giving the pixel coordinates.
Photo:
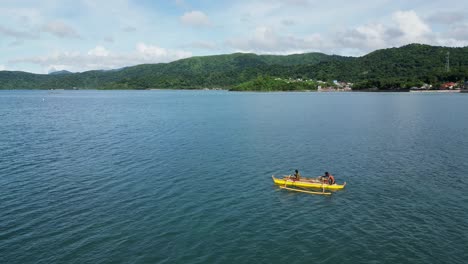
(184, 177)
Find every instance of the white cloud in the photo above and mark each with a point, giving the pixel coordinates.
(261, 26)
(60, 29)
(267, 40)
(196, 19)
(450, 42)
(152, 52)
(414, 29)
(366, 37)
(2, 67)
(99, 51)
(404, 27)
(101, 58)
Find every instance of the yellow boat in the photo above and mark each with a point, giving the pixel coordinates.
(306, 183)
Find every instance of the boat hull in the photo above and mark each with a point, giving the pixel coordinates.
(307, 184)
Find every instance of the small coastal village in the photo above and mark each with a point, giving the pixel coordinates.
(343, 86)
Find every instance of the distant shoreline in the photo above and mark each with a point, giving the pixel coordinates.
(410, 66)
(255, 91)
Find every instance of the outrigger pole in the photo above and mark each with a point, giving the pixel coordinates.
(304, 191)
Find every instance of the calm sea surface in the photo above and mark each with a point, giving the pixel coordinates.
(185, 177)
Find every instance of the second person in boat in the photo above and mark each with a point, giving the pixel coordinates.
(330, 178)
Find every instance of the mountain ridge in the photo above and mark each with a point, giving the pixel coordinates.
(385, 68)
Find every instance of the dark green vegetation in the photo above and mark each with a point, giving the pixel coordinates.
(393, 68)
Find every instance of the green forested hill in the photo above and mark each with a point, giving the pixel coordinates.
(195, 72)
(387, 69)
(395, 67)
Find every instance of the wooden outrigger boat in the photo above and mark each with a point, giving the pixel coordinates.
(304, 182)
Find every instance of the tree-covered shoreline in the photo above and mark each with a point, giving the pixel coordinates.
(388, 69)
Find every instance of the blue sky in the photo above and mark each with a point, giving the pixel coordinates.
(47, 35)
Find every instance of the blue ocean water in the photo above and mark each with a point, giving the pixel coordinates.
(185, 177)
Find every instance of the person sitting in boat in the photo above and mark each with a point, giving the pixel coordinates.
(330, 178)
(323, 178)
(296, 175)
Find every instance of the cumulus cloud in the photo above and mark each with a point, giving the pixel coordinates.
(99, 51)
(405, 27)
(60, 29)
(196, 19)
(451, 42)
(101, 58)
(414, 29)
(148, 53)
(267, 40)
(367, 37)
(261, 26)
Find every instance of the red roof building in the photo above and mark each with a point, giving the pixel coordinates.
(447, 85)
